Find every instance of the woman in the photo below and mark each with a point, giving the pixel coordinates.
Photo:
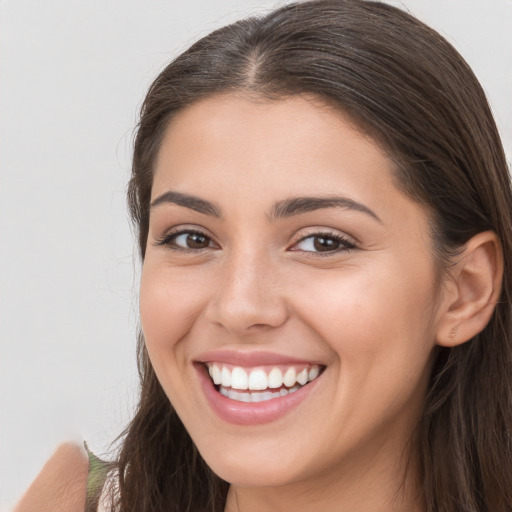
(324, 218)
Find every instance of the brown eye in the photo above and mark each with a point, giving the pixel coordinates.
(186, 241)
(197, 241)
(322, 243)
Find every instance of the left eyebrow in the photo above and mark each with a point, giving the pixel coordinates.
(298, 205)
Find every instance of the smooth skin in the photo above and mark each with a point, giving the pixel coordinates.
(353, 287)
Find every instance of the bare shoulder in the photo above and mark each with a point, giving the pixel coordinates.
(61, 486)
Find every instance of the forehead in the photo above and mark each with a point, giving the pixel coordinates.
(280, 143)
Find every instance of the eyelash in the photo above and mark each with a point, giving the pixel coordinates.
(168, 239)
(345, 244)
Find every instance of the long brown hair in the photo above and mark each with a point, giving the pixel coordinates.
(405, 86)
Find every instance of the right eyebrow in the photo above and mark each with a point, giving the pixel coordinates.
(187, 201)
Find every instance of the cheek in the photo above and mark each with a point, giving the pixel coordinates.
(380, 314)
(378, 327)
(170, 302)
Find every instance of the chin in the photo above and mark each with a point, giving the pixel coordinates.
(257, 463)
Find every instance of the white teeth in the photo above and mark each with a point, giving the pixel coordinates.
(226, 377)
(244, 397)
(268, 395)
(313, 373)
(257, 396)
(275, 378)
(232, 379)
(215, 374)
(289, 377)
(258, 380)
(302, 377)
(238, 378)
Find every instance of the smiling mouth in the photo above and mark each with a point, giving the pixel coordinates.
(260, 384)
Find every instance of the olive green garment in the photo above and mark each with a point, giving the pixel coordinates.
(98, 470)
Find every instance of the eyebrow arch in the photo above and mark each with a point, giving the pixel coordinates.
(282, 209)
(192, 202)
(298, 205)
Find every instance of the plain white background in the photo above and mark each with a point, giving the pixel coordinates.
(73, 74)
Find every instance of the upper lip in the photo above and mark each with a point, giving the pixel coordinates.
(250, 358)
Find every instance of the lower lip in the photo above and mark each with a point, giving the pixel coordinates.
(251, 413)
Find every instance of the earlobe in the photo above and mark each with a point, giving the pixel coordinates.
(474, 290)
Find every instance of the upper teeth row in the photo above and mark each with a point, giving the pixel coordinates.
(258, 379)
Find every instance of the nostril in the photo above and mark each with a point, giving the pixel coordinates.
(246, 315)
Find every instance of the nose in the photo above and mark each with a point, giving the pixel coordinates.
(250, 297)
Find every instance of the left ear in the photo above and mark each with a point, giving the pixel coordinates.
(473, 290)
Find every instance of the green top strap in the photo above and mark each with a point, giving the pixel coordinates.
(98, 470)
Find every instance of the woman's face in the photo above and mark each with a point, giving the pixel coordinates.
(282, 258)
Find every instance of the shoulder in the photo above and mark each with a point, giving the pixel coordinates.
(62, 483)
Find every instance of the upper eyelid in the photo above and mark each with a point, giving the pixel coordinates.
(341, 238)
(317, 231)
(176, 231)
(347, 243)
(186, 228)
